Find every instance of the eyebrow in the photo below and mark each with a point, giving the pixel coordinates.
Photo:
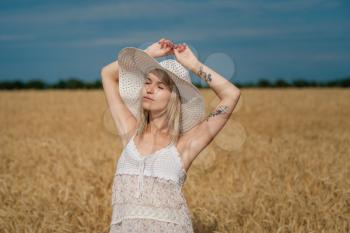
(157, 81)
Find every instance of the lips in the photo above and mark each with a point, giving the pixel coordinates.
(145, 97)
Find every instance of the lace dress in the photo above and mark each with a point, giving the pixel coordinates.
(147, 192)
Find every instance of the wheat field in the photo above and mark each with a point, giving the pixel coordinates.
(281, 163)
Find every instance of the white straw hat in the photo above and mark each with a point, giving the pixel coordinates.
(134, 64)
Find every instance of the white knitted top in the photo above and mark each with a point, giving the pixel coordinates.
(164, 163)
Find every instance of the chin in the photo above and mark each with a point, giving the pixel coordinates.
(146, 106)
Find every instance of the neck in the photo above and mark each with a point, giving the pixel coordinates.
(158, 125)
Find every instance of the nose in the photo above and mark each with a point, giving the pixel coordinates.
(149, 88)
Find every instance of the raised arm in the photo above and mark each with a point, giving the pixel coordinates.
(202, 134)
(124, 121)
(221, 86)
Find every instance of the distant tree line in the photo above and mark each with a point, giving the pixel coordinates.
(74, 83)
(71, 83)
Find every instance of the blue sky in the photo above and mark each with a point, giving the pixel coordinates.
(242, 40)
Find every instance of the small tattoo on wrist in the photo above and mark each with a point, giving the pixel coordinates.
(202, 74)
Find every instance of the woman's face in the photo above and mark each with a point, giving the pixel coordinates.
(156, 89)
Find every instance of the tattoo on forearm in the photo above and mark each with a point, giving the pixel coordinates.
(202, 74)
(221, 109)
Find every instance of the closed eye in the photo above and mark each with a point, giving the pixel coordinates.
(148, 82)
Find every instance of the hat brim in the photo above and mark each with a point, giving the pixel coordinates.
(134, 63)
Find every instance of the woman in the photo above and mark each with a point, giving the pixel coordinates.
(159, 115)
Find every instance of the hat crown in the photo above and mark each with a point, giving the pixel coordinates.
(176, 68)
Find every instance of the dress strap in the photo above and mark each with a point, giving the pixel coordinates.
(131, 138)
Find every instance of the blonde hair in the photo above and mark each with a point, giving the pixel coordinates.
(172, 110)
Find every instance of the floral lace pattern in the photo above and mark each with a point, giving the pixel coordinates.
(158, 192)
(161, 208)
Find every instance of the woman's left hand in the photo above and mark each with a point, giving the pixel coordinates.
(161, 48)
(186, 57)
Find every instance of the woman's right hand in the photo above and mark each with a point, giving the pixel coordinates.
(161, 48)
(186, 57)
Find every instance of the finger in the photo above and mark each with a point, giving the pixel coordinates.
(161, 41)
(181, 48)
(168, 46)
(169, 43)
(172, 45)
